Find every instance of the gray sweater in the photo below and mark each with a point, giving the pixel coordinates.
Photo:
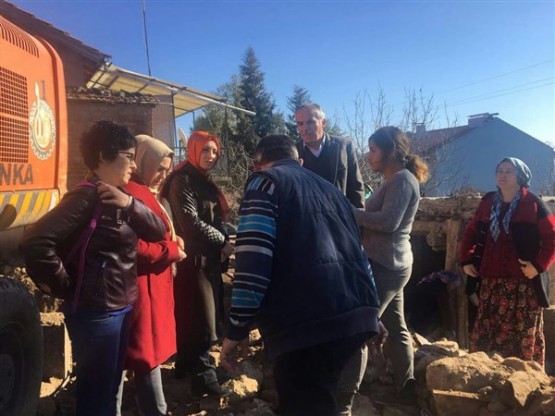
(387, 221)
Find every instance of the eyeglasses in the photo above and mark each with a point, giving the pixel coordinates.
(128, 155)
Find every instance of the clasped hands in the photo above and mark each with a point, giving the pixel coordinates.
(527, 268)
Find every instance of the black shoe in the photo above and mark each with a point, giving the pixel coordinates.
(223, 375)
(408, 395)
(180, 373)
(211, 389)
(405, 397)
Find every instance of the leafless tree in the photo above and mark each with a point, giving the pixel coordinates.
(419, 114)
(360, 127)
(418, 110)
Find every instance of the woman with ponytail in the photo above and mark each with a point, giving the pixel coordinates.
(199, 209)
(386, 222)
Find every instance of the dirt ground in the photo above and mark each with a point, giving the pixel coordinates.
(249, 397)
(57, 399)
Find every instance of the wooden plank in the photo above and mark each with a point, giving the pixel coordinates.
(459, 307)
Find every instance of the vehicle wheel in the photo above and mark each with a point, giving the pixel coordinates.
(20, 350)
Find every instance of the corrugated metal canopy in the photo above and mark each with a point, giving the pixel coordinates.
(185, 99)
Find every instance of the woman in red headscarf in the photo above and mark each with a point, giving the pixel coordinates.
(199, 209)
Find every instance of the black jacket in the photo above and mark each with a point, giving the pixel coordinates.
(110, 269)
(196, 212)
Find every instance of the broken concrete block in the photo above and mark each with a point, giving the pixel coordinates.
(518, 388)
(57, 346)
(456, 403)
(469, 373)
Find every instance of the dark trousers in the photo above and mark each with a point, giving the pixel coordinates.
(198, 292)
(99, 343)
(307, 379)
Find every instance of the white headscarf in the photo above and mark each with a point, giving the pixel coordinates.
(148, 156)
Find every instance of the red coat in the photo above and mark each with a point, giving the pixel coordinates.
(152, 334)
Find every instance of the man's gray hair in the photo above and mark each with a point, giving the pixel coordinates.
(312, 107)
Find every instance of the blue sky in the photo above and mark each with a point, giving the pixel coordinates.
(473, 56)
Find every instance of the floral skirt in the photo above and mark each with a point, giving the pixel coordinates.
(509, 321)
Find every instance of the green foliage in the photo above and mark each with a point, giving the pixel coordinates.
(253, 96)
(333, 127)
(300, 96)
(240, 132)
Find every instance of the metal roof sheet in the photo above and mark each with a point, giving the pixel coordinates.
(185, 99)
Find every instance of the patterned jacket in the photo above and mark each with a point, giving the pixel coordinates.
(196, 211)
(300, 268)
(531, 237)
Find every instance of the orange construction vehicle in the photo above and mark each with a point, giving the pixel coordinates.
(33, 127)
(33, 166)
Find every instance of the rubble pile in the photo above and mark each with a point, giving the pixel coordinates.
(458, 383)
(451, 382)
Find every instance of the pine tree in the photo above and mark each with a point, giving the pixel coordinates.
(300, 96)
(253, 96)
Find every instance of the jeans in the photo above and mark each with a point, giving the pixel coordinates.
(99, 343)
(307, 379)
(150, 393)
(390, 285)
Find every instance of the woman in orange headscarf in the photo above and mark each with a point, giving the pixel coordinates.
(199, 209)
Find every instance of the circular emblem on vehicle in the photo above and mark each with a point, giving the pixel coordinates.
(42, 127)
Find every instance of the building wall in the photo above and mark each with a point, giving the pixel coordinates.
(163, 121)
(82, 113)
(473, 158)
(77, 69)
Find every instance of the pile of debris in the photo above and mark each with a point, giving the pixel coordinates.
(458, 383)
(450, 381)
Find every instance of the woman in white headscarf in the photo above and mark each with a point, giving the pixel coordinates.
(152, 335)
(509, 242)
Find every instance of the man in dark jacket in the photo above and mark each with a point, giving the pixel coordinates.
(331, 157)
(334, 159)
(302, 274)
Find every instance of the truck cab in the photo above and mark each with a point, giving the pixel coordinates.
(33, 175)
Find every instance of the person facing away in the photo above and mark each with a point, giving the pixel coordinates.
(98, 283)
(302, 276)
(152, 334)
(386, 223)
(199, 209)
(507, 244)
(334, 159)
(331, 157)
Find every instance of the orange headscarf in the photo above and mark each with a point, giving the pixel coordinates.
(196, 142)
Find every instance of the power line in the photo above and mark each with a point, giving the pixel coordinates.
(496, 76)
(498, 94)
(503, 90)
(477, 98)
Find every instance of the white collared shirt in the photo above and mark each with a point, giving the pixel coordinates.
(316, 152)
